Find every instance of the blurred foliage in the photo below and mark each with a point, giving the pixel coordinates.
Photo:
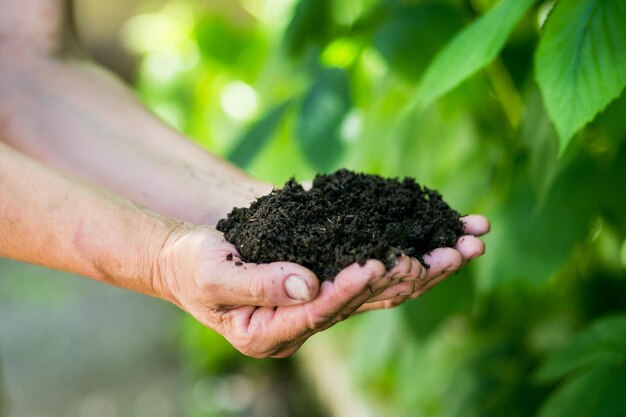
(511, 108)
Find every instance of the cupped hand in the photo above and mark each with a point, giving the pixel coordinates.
(271, 309)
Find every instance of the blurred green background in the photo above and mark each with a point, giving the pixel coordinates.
(506, 113)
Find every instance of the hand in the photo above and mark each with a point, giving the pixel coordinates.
(272, 309)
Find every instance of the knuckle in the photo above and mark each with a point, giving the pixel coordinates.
(402, 268)
(422, 273)
(315, 320)
(377, 269)
(375, 273)
(406, 265)
(256, 288)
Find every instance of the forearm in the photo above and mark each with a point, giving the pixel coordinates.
(80, 119)
(56, 221)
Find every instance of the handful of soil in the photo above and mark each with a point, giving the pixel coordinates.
(344, 218)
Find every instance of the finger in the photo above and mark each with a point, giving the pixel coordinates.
(382, 305)
(352, 287)
(412, 277)
(377, 305)
(267, 331)
(402, 268)
(441, 261)
(274, 284)
(470, 247)
(242, 327)
(404, 288)
(476, 225)
(432, 284)
(446, 262)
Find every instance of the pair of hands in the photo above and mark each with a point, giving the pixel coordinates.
(268, 310)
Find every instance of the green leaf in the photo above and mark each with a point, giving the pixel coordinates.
(490, 381)
(318, 127)
(218, 39)
(604, 342)
(309, 26)
(411, 37)
(449, 297)
(533, 237)
(538, 137)
(581, 61)
(597, 358)
(376, 337)
(614, 199)
(254, 140)
(473, 48)
(600, 392)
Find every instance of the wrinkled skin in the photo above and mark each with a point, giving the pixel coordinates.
(248, 303)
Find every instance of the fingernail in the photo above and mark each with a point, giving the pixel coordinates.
(297, 288)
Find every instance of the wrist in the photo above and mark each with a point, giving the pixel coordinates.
(132, 248)
(166, 261)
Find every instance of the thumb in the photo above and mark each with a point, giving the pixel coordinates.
(274, 284)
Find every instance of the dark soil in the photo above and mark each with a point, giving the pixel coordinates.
(345, 218)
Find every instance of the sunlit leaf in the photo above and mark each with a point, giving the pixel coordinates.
(257, 136)
(219, 40)
(469, 51)
(581, 61)
(318, 127)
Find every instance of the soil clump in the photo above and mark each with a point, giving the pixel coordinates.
(345, 217)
